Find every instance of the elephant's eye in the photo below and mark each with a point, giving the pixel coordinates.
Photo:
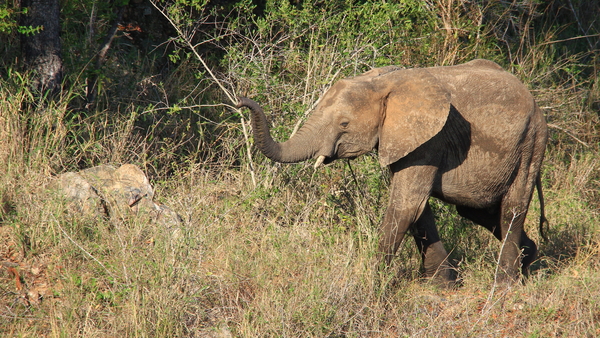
(344, 124)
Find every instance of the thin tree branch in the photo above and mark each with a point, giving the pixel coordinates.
(229, 94)
(569, 39)
(84, 250)
(187, 41)
(568, 133)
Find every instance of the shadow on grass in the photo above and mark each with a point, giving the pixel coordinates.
(563, 246)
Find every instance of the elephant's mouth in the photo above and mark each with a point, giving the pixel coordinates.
(345, 150)
(329, 160)
(324, 160)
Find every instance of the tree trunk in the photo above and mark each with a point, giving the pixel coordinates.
(42, 50)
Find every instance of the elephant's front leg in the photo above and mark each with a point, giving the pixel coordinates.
(395, 225)
(435, 257)
(409, 192)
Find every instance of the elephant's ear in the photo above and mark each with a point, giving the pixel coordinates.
(414, 111)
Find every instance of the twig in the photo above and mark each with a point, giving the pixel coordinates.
(568, 133)
(92, 80)
(569, 39)
(300, 120)
(191, 46)
(248, 152)
(230, 95)
(515, 215)
(580, 25)
(84, 250)
(190, 107)
(487, 307)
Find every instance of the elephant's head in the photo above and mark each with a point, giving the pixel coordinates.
(392, 110)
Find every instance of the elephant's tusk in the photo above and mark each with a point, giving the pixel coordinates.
(320, 160)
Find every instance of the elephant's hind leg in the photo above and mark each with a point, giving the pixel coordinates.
(529, 253)
(518, 250)
(490, 219)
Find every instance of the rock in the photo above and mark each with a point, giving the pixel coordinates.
(81, 196)
(115, 193)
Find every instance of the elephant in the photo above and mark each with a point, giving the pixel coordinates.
(470, 135)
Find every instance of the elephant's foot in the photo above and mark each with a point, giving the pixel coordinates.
(529, 254)
(508, 272)
(437, 267)
(515, 261)
(507, 280)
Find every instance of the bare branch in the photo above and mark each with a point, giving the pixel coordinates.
(568, 133)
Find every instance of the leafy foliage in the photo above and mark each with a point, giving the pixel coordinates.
(8, 21)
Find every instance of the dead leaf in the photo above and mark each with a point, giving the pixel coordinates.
(15, 273)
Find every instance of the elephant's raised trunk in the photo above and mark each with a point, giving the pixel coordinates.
(299, 147)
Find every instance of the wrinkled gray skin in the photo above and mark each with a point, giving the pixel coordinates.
(470, 135)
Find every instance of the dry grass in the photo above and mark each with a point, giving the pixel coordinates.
(289, 252)
(292, 260)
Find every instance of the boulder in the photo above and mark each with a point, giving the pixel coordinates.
(114, 193)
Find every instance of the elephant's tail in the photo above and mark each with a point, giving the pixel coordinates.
(543, 219)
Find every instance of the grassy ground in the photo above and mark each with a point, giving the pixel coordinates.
(292, 257)
(284, 250)
(244, 265)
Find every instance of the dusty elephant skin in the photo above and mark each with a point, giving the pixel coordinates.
(470, 135)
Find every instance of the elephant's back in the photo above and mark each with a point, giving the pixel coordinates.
(493, 101)
(503, 120)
